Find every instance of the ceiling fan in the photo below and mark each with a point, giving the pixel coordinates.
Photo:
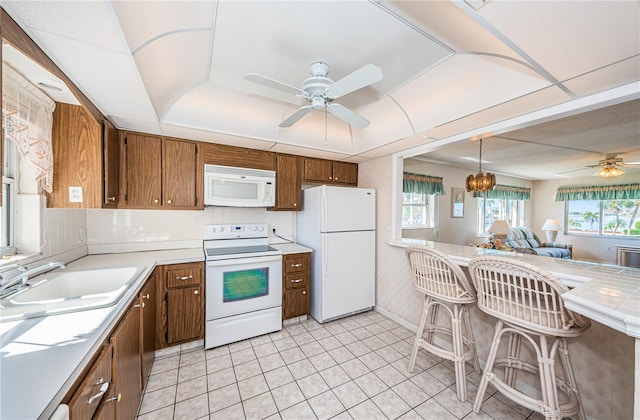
(610, 166)
(320, 91)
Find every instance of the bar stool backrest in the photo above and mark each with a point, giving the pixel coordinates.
(524, 295)
(435, 274)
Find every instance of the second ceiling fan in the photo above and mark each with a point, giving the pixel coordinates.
(320, 91)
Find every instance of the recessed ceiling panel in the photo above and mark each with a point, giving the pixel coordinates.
(592, 34)
(615, 75)
(280, 40)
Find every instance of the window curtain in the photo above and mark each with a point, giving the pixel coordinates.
(507, 192)
(599, 192)
(27, 119)
(420, 183)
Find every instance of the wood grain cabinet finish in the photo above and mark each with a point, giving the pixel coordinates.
(95, 387)
(159, 173)
(296, 275)
(147, 300)
(241, 157)
(181, 317)
(329, 172)
(85, 155)
(126, 365)
(288, 183)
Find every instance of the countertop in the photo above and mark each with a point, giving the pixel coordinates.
(291, 248)
(41, 358)
(609, 294)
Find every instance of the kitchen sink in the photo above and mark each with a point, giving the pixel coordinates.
(64, 291)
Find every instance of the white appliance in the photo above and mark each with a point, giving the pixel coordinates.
(238, 187)
(243, 281)
(338, 223)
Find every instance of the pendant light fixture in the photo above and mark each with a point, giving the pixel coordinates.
(480, 182)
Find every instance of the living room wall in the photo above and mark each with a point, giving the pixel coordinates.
(590, 248)
(456, 230)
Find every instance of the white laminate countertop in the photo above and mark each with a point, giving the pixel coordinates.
(609, 294)
(291, 248)
(41, 358)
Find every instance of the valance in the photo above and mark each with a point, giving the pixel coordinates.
(420, 183)
(599, 192)
(507, 192)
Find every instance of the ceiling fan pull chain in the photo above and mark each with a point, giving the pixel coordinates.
(325, 123)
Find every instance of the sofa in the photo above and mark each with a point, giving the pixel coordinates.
(525, 241)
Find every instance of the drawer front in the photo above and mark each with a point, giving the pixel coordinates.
(96, 385)
(296, 263)
(182, 276)
(295, 281)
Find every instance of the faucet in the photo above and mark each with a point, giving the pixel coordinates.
(20, 281)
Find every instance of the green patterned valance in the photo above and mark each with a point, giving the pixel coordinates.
(419, 183)
(508, 192)
(599, 192)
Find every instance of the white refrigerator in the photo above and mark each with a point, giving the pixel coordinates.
(338, 223)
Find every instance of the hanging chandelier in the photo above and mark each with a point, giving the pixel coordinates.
(480, 182)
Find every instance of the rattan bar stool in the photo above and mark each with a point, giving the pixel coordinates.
(444, 285)
(529, 309)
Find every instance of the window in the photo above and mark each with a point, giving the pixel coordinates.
(417, 210)
(492, 209)
(603, 217)
(8, 196)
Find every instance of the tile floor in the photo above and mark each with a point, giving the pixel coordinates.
(352, 368)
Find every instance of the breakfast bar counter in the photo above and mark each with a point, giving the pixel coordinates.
(606, 293)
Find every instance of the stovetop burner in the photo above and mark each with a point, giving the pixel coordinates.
(237, 241)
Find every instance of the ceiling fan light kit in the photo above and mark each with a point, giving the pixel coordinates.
(480, 182)
(320, 90)
(609, 172)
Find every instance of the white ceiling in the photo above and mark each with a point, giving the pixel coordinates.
(449, 71)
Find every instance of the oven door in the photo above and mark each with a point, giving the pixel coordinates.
(241, 285)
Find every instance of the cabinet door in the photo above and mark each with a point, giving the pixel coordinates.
(143, 171)
(178, 173)
(295, 303)
(317, 170)
(148, 331)
(345, 173)
(93, 389)
(126, 364)
(111, 165)
(288, 185)
(185, 317)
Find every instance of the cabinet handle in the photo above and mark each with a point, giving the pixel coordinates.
(111, 199)
(169, 201)
(195, 292)
(117, 398)
(189, 277)
(335, 179)
(145, 296)
(103, 389)
(296, 281)
(296, 265)
(139, 305)
(330, 178)
(156, 201)
(304, 292)
(295, 204)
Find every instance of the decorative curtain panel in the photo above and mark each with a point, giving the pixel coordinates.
(27, 119)
(599, 192)
(508, 192)
(420, 183)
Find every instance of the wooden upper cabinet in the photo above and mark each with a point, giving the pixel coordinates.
(159, 173)
(111, 157)
(329, 172)
(288, 183)
(77, 158)
(241, 157)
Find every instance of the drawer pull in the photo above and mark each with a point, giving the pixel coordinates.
(139, 305)
(146, 296)
(183, 278)
(111, 199)
(103, 389)
(117, 398)
(296, 265)
(296, 281)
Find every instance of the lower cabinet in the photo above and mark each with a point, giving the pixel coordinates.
(296, 274)
(181, 317)
(95, 387)
(126, 364)
(147, 301)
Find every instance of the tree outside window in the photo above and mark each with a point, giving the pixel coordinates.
(603, 217)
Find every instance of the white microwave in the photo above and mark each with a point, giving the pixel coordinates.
(238, 187)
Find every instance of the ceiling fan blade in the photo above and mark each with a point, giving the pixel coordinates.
(348, 115)
(360, 78)
(293, 118)
(274, 84)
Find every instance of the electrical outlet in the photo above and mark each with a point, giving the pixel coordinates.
(75, 194)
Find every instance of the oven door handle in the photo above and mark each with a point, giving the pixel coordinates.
(242, 261)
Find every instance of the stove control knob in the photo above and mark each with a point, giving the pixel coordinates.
(261, 228)
(254, 228)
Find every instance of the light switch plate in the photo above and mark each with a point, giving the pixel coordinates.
(75, 194)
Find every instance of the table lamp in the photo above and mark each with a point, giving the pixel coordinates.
(500, 229)
(551, 228)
